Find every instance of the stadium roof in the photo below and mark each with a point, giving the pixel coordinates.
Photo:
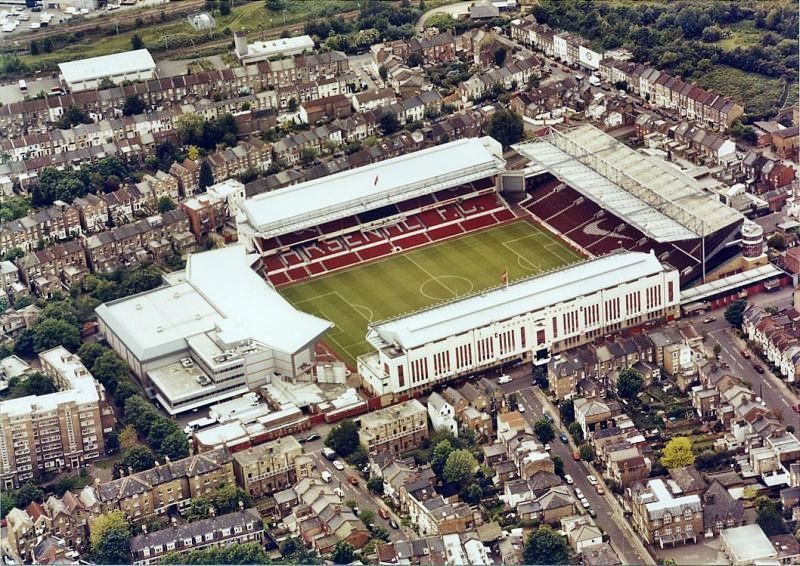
(502, 303)
(655, 197)
(380, 184)
(220, 292)
(726, 284)
(107, 65)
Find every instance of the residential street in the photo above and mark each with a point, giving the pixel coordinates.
(609, 516)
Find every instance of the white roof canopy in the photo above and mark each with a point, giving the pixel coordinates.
(380, 184)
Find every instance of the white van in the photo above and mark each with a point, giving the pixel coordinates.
(326, 476)
(505, 378)
(197, 424)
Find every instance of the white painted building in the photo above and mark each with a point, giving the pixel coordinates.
(442, 414)
(527, 320)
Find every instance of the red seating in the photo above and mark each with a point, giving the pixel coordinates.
(279, 278)
(412, 241)
(504, 215)
(445, 232)
(340, 261)
(297, 237)
(292, 257)
(273, 263)
(315, 268)
(375, 251)
(298, 273)
(478, 222)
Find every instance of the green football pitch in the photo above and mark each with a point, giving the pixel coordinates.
(409, 281)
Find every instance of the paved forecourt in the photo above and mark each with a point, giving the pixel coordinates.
(419, 278)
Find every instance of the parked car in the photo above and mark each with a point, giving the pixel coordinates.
(356, 511)
(592, 480)
(339, 493)
(592, 512)
(796, 408)
(568, 479)
(382, 512)
(504, 379)
(521, 408)
(312, 437)
(599, 489)
(585, 503)
(352, 480)
(564, 439)
(578, 493)
(338, 465)
(745, 354)
(759, 368)
(576, 455)
(547, 448)
(329, 454)
(709, 319)
(393, 524)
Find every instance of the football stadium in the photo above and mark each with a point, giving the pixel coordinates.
(415, 279)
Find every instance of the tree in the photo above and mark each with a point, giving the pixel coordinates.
(7, 503)
(576, 431)
(567, 410)
(540, 376)
(136, 42)
(544, 431)
(545, 546)
(247, 553)
(165, 204)
(38, 383)
(717, 349)
(367, 517)
(440, 453)
(414, 60)
(343, 438)
(629, 383)
(133, 105)
(34, 47)
(343, 553)
(506, 127)
(769, 517)
(128, 437)
(53, 332)
(109, 534)
(777, 242)
(175, 445)
(460, 466)
(375, 485)
(499, 56)
(307, 156)
(276, 5)
(159, 430)
(587, 452)
(388, 124)
(383, 73)
(677, 453)
(139, 458)
(712, 33)
(292, 106)
(28, 493)
(734, 314)
(294, 552)
(71, 117)
(109, 369)
(206, 178)
(61, 310)
(224, 8)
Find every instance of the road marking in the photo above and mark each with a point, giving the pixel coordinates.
(784, 402)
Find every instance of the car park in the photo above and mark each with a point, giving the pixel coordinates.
(338, 465)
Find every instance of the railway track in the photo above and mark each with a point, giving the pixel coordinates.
(99, 22)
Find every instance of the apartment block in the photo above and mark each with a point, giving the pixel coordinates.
(271, 467)
(55, 432)
(395, 429)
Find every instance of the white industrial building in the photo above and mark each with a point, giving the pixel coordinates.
(214, 332)
(86, 74)
(528, 320)
(263, 50)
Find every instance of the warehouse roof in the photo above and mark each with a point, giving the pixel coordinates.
(502, 303)
(107, 65)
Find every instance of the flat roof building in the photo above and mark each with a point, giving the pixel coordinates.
(215, 331)
(85, 74)
(747, 544)
(261, 50)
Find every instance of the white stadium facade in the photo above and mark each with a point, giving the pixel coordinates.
(530, 320)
